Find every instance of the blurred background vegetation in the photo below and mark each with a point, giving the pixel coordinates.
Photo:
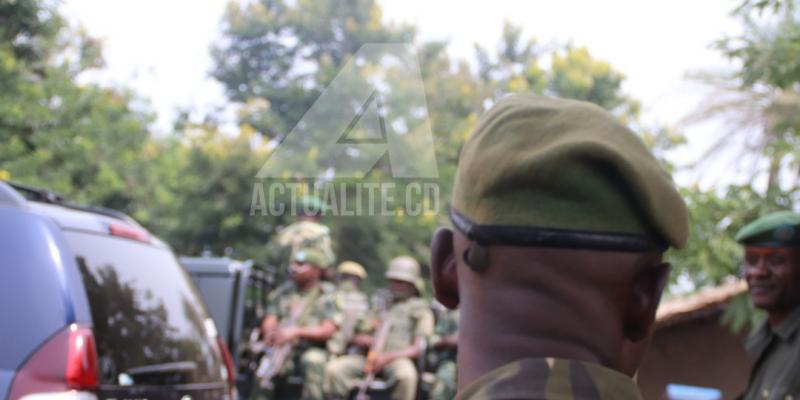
(193, 186)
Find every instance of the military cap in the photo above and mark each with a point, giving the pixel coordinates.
(541, 171)
(406, 269)
(310, 255)
(352, 268)
(778, 229)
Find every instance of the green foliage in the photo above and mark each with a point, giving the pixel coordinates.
(194, 186)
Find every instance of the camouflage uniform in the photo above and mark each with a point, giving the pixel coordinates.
(308, 358)
(352, 304)
(445, 386)
(552, 379)
(298, 235)
(411, 319)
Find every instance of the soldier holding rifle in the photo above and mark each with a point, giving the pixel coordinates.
(407, 323)
(299, 321)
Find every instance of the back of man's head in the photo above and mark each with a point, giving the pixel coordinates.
(561, 216)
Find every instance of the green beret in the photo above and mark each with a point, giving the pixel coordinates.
(778, 229)
(564, 166)
(310, 255)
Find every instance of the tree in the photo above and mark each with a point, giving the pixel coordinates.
(82, 140)
(759, 104)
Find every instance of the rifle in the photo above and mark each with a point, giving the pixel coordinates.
(274, 358)
(377, 347)
(352, 312)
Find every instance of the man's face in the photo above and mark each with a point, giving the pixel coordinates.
(773, 278)
(352, 280)
(303, 272)
(401, 289)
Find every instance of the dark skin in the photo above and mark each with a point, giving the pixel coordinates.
(356, 281)
(773, 280)
(578, 304)
(306, 276)
(401, 291)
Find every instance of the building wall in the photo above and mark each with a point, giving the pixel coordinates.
(700, 352)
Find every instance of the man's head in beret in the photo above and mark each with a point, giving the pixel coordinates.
(307, 265)
(561, 216)
(772, 262)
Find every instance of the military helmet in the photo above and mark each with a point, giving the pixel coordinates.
(406, 269)
(312, 256)
(352, 268)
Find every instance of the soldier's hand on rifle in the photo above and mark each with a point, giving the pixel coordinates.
(269, 329)
(285, 335)
(378, 362)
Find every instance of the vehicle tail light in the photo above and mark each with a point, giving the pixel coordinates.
(128, 232)
(64, 367)
(226, 357)
(82, 359)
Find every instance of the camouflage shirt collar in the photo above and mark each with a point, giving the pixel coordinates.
(552, 378)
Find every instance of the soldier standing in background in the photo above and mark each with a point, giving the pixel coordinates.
(772, 271)
(307, 232)
(352, 304)
(411, 323)
(313, 307)
(561, 218)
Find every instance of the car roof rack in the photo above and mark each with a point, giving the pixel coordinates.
(9, 196)
(50, 197)
(35, 194)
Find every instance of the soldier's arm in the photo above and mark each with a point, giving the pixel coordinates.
(423, 329)
(412, 352)
(318, 333)
(269, 327)
(364, 329)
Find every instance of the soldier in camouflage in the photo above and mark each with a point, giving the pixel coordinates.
(307, 232)
(352, 304)
(411, 324)
(561, 218)
(315, 324)
(445, 348)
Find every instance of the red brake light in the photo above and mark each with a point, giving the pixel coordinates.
(66, 363)
(128, 232)
(81, 359)
(226, 357)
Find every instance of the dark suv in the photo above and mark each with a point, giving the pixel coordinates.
(94, 307)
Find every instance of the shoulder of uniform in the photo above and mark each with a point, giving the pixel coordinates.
(283, 289)
(327, 287)
(419, 304)
(312, 226)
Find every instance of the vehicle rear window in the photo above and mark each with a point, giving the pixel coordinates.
(149, 323)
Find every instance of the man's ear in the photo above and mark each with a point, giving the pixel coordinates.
(640, 314)
(444, 268)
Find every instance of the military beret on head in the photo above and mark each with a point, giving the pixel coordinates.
(310, 255)
(564, 166)
(778, 229)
